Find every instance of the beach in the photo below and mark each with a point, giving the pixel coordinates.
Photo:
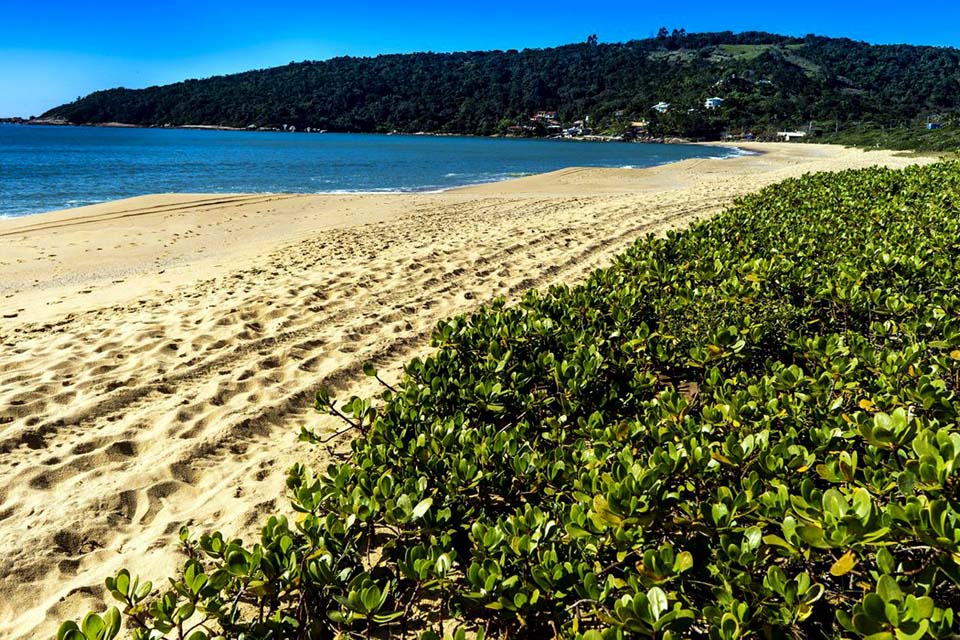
(160, 353)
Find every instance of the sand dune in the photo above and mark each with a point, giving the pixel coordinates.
(160, 353)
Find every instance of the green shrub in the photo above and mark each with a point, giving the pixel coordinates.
(914, 137)
(747, 429)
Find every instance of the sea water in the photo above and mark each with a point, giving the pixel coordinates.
(44, 168)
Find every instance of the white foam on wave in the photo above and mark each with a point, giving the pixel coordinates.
(430, 188)
(373, 192)
(736, 152)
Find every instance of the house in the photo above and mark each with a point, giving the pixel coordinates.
(933, 126)
(712, 103)
(661, 107)
(791, 135)
(544, 115)
(619, 113)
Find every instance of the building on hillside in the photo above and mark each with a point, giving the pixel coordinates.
(619, 113)
(639, 128)
(933, 126)
(791, 135)
(713, 103)
(545, 116)
(661, 107)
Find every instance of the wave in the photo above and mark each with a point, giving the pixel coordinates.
(736, 152)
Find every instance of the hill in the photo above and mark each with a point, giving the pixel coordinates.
(767, 81)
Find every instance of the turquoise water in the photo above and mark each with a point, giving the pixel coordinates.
(45, 168)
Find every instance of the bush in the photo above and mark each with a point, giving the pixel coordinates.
(747, 429)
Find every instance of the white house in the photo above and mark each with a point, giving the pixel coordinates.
(791, 135)
(712, 103)
(661, 107)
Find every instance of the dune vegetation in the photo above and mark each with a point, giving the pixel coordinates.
(747, 429)
(913, 138)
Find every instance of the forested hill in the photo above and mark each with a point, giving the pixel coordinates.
(767, 82)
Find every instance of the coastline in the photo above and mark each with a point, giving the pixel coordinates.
(161, 351)
(48, 122)
(317, 165)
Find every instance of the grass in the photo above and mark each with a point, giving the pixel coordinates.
(913, 138)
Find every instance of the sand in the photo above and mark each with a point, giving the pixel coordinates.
(160, 353)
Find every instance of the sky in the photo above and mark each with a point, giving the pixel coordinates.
(54, 51)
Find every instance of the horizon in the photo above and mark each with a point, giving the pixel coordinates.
(44, 64)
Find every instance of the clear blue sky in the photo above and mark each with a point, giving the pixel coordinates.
(53, 51)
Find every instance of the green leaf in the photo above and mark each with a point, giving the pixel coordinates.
(69, 631)
(143, 590)
(888, 589)
(874, 608)
(813, 536)
(421, 509)
(753, 536)
(111, 623)
(92, 626)
(777, 541)
(658, 602)
(184, 612)
(122, 582)
(919, 608)
(683, 562)
(920, 631)
(371, 599)
(885, 560)
(237, 563)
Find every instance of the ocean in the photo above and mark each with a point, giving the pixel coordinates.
(47, 168)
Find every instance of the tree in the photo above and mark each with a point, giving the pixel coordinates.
(468, 92)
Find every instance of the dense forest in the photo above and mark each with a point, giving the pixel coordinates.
(767, 81)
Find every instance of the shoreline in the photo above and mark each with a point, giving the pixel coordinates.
(162, 351)
(732, 151)
(39, 122)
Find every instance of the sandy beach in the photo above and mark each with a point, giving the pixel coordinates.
(160, 353)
